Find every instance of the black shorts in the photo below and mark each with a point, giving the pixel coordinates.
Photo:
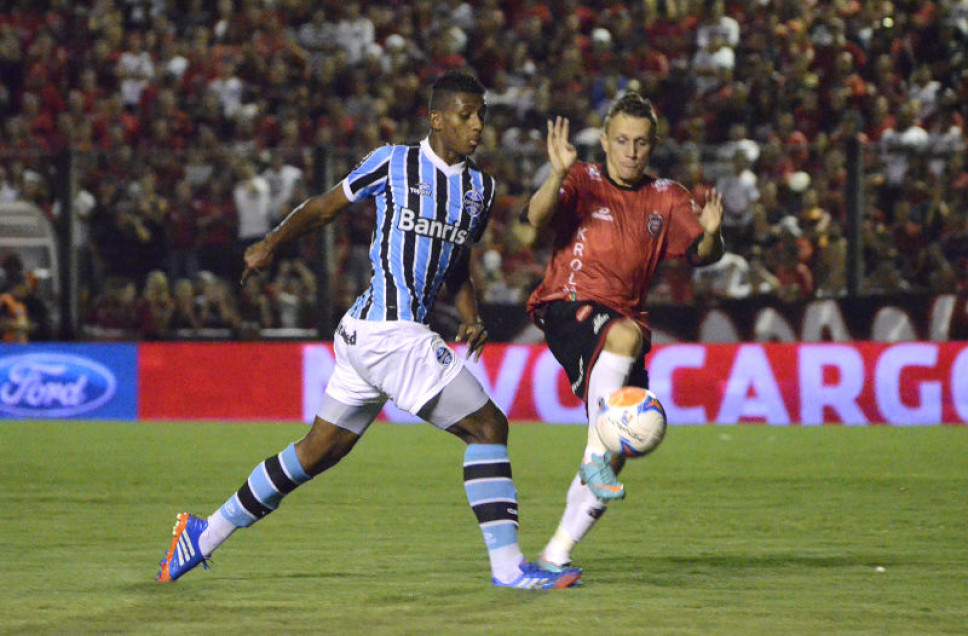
(575, 333)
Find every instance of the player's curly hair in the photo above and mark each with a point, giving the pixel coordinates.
(453, 82)
(634, 105)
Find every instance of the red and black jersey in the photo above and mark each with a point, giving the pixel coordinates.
(610, 239)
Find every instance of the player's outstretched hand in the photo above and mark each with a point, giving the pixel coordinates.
(258, 256)
(475, 335)
(711, 215)
(561, 153)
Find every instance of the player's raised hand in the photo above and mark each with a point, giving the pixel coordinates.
(258, 256)
(711, 214)
(561, 152)
(475, 335)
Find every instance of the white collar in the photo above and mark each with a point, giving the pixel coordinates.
(443, 166)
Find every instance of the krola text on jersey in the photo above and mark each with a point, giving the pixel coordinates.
(578, 251)
(408, 221)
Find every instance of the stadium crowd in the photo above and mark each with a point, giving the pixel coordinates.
(195, 124)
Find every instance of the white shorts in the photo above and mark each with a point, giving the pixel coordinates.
(404, 361)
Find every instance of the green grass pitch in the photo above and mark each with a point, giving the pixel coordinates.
(726, 530)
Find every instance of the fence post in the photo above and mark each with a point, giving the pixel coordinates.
(64, 188)
(321, 179)
(855, 216)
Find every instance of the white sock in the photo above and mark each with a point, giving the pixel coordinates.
(610, 373)
(506, 563)
(582, 510)
(219, 529)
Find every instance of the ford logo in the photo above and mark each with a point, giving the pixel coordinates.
(53, 385)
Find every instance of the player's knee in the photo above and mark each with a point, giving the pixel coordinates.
(624, 338)
(494, 429)
(487, 425)
(324, 446)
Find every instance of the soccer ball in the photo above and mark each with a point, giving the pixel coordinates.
(632, 422)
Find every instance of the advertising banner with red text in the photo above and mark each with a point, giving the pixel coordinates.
(909, 383)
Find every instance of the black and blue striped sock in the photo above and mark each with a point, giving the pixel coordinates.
(265, 488)
(492, 496)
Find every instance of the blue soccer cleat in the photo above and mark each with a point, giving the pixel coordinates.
(184, 553)
(598, 475)
(548, 566)
(533, 577)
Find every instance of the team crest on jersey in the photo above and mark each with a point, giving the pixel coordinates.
(655, 224)
(603, 214)
(444, 355)
(594, 174)
(473, 202)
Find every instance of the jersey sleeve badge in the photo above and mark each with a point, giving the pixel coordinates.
(474, 202)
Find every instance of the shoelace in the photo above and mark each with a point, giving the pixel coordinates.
(601, 470)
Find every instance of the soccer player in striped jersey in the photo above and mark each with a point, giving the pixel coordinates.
(432, 204)
(613, 224)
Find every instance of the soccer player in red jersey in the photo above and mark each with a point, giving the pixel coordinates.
(613, 224)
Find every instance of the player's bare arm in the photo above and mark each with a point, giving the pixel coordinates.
(710, 247)
(471, 328)
(310, 215)
(562, 155)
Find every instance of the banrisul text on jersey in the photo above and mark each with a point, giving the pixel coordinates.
(427, 213)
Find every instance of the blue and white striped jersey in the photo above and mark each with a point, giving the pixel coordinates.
(427, 214)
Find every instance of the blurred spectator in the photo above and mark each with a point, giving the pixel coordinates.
(935, 273)
(898, 147)
(886, 276)
(9, 192)
(317, 37)
(830, 254)
(728, 278)
(739, 194)
(184, 316)
(712, 64)
(217, 229)
(228, 88)
(156, 308)
(15, 325)
(283, 179)
(788, 262)
(182, 232)
(41, 326)
(354, 33)
(135, 69)
(716, 24)
(113, 313)
(494, 287)
(295, 290)
(924, 91)
(216, 306)
(254, 311)
(355, 261)
(253, 199)
(762, 280)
